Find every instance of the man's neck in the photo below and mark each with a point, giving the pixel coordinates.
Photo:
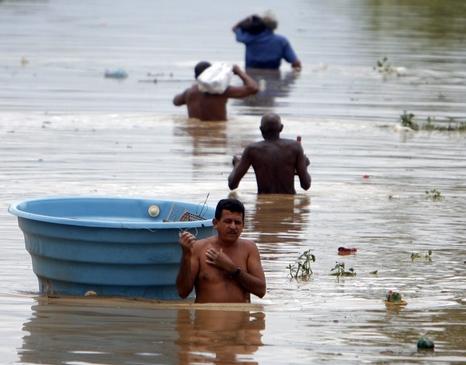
(225, 244)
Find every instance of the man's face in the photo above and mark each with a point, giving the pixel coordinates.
(229, 226)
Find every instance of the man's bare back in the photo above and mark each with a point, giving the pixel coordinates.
(212, 107)
(205, 106)
(275, 161)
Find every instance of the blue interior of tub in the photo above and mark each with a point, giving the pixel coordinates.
(113, 212)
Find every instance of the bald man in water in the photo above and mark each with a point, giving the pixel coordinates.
(275, 161)
(223, 268)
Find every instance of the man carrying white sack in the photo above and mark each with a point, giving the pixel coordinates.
(207, 98)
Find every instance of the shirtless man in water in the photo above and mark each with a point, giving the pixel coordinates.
(275, 161)
(223, 268)
(208, 107)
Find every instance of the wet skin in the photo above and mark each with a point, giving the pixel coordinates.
(210, 265)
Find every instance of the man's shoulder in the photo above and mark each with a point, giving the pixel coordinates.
(202, 243)
(280, 38)
(247, 243)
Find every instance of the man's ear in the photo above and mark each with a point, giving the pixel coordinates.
(214, 221)
(281, 127)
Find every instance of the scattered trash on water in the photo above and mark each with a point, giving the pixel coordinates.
(434, 194)
(116, 74)
(90, 293)
(343, 251)
(417, 255)
(24, 61)
(385, 68)
(407, 120)
(425, 343)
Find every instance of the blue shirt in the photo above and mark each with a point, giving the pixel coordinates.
(266, 49)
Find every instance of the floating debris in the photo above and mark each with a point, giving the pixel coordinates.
(386, 69)
(116, 74)
(302, 268)
(425, 343)
(344, 251)
(417, 255)
(407, 120)
(434, 194)
(394, 298)
(339, 270)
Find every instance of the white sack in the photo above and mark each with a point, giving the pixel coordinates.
(215, 79)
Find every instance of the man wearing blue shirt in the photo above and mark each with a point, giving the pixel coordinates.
(264, 48)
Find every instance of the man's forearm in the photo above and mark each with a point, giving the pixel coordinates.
(184, 280)
(251, 283)
(247, 80)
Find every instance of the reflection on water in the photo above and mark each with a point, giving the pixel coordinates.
(119, 332)
(279, 220)
(219, 337)
(123, 140)
(273, 85)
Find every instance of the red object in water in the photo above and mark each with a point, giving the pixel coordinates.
(365, 176)
(346, 250)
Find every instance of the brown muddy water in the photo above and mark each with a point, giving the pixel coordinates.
(66, 130)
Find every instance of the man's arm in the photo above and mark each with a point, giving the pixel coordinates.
(239, 170)
(254, 279)
(296, 65)
(180, 99)
(249, 86)
(301, 169)
(290, 56)
(189, 265)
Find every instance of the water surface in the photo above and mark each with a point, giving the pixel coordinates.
(66, 130)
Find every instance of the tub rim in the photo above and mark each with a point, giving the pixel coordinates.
(15, 210)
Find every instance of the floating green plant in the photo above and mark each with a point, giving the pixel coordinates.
(417, 255)
(384, 67)
(302, 268)
(407, 120)
(339, 270)
(394, 298)
(434, 194)
(450, 125)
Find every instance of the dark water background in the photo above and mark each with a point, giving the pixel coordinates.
(66, 130)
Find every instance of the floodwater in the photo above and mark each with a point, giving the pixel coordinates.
(66, 130)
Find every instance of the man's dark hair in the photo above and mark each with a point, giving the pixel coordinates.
(233, 205)
(200, 67)
(254, 25)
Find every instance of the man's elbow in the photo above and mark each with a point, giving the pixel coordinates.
(261, 291)
(306, 184)
(253, 88)
(232, 184)
(183, 293)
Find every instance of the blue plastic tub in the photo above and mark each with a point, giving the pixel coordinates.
(108, 246)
